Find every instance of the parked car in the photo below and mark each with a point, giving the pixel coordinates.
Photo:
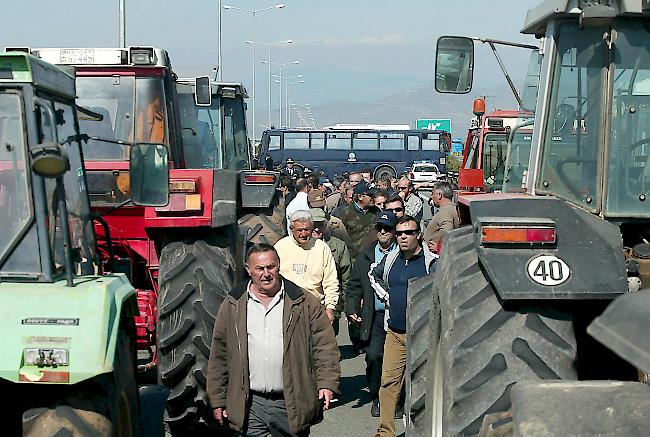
(426, 171)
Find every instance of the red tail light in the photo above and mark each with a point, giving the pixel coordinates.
(517, 235)
(259, 179)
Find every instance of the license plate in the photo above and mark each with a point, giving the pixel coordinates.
(77, 56)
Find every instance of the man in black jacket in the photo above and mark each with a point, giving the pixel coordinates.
(365, 309)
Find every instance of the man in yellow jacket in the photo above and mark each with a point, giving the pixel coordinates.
(308, 262)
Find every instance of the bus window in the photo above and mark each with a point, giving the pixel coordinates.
(339, 140)
(391, 141)
(364, 141)
(413, 142)
(296, 140)
(317, 140)
(431, 142)
(274, 142)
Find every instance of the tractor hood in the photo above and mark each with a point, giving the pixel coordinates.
(68, 334)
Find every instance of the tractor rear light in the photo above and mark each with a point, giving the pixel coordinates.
(517, 235)
(259, 179)
(182, 186)
(45, 357)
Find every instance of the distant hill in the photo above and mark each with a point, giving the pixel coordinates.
(404, 107)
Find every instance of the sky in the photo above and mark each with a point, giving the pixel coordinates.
(354, 50)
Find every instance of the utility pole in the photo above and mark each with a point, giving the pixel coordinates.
(122, 24)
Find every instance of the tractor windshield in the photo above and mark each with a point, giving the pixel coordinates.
(628, 178)
(15, 207)
(517, 160)
(573, 128)
(126, 104)
(214, 136)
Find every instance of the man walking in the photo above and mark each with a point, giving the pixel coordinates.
(390, 279)
(365, 309)
(359, 217)
(335, 226)
(308, 262)
(341, 256)
(274, 362)
(445, 219)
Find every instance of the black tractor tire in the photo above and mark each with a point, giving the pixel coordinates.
(478, 349)
(264, 227)
(106, 405)
(194, 278)
(420, 303)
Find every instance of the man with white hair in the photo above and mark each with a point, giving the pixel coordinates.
(308, 261)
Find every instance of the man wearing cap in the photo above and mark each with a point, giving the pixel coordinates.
(365, 309)
(335, 226)
(292, 171)
(359, 218)
(341, 256)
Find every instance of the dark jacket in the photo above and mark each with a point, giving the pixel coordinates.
(311, 358)
(360, 227)
(359, 295)
(295, 173)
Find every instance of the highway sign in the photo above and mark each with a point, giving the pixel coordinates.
(434, 124)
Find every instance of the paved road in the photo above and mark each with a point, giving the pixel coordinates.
(351, 415)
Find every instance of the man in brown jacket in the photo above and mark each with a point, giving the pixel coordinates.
(274, 362)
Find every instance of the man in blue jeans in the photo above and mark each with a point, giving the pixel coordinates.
(364, 309)
(390, 280)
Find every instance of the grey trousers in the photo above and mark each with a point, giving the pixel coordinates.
(269, 416)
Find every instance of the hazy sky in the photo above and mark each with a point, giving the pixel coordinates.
(355, 50)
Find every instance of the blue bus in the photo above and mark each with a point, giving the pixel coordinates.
(335, 151)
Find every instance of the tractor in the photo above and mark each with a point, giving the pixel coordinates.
(516, 303)
(68, 365)
(185, 256)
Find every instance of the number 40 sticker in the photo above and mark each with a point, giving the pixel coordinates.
(548, 270)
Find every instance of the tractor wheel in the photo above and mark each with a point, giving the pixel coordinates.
(264, 227)
(478, 349)
(194, 278)
(106, 405)
(417, 320)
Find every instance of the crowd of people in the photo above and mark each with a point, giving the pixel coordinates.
(351, 248)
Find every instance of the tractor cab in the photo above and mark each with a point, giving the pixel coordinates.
(213, 122)
(47, 226)
(590, 145)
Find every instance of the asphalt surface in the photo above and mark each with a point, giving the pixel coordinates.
(350, 416)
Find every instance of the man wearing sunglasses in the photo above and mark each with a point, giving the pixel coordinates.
(412, 202)
(389, 279)
(395, 205)
(365, 310)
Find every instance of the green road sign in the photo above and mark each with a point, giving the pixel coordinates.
(434, 124)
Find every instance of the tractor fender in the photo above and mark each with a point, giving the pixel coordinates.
(224, 198)
(83, 320)
(586, 261)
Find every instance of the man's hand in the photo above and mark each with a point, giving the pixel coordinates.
(220, 414)
(327, 395)
(330, 314)
(433, 246)
(354, 318)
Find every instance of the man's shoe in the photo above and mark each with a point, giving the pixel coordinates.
(399, 412)
(374, 409)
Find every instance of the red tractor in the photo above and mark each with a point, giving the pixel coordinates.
(182, 258)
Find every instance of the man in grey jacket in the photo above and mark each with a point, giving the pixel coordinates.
(390, 279)
(274, 363)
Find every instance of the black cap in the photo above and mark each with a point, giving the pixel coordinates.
(386, 218)
(363, 188)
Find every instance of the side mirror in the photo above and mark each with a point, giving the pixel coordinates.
(149, 174)
(202, 91)
(454, 65)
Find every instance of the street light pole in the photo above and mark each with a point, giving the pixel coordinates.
(122, 24)
(289, 101)
(220, 72)
(254, 12)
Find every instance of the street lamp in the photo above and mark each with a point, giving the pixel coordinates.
(270, 45)
(253, 12)
(286, 89)
(280, 82)
(289, 101)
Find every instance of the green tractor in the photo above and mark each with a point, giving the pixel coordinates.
(519, 315)
(68, 360)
